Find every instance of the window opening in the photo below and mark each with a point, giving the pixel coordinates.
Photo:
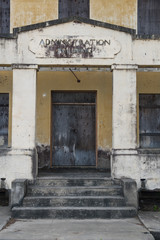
(149, 120)
(5, 16)
(70, 8)
(149, 17)
(4, 113)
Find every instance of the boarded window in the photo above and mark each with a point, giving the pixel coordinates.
(70, 8)
(149, 106)
(149, 17)
(4, 112)
(4, 16)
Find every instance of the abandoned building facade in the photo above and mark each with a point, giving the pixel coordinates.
(80, 88)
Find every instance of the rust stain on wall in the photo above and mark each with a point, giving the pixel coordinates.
(43, 152)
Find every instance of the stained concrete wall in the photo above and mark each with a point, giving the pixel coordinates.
(13, 163)
(140, 52)
(28, 50)
(141, 163)
(149, 83)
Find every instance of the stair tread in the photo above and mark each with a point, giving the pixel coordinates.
(82, 187)
(74, 197)
(74, 208)
(69, 197)
(74, 177)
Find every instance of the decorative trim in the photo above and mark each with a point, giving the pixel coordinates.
(124, 152)
(147, 37)
(24, 66)
(124, 67)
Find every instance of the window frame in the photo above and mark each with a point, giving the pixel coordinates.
(8, 112)
(148, 136)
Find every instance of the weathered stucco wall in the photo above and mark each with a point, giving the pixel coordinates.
(99, 81)
(129, 163)
(6, 87)
(19, 161)
(13, 164)
(26, 48)
(146, 49)
(32, 11)
(122, 13)
(145, 165)
(141, 163)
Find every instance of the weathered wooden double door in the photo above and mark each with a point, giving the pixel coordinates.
(73, 129)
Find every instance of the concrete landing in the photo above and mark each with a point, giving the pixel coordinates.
(74, 172)
(151, 220)
(4, 216)
(121, 229)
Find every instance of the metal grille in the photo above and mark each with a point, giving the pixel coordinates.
(4, 16)
(4, 112)
(70, 8)
(149, 120)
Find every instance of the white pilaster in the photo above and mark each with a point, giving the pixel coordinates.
(124, 107)
(125, 161)
(24, 107)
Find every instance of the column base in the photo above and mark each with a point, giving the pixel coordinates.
(18, 164)
(125, 164)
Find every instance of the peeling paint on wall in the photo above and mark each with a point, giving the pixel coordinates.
(43, 152)
(104, 160)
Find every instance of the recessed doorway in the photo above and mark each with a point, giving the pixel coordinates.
(73, 129)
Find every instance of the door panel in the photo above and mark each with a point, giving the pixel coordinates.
(73, 132)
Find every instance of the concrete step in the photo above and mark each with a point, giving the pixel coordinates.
(74, 201)
(73, 212)
(58, 182)
(74, 191)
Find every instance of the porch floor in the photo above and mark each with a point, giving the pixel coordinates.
(74, 172)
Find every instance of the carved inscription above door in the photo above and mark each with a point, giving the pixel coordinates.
(74, 47)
